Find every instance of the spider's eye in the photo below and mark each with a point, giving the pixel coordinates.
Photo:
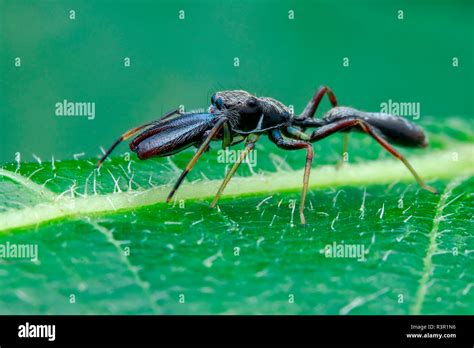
(213, 99)
(252, 102)
(219, 103)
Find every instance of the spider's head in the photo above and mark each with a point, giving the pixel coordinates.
(248, 113)
(240, 102)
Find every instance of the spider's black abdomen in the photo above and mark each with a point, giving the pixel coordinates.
(398, 130)
(395, 129)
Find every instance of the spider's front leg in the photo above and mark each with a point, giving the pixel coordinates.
(249, 146)
(130, 133)
(290, 144)
(205, 144)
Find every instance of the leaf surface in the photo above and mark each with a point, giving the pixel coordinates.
(109, 244)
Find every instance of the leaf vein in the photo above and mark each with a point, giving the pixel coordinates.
(141, 283)
(432, 249)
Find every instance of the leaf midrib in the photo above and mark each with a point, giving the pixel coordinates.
(434, 165)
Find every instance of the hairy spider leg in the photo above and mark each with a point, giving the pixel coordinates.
(340, 125)
(132, 132)
(249, 146)
(290, 144)
(313, 104)
(212, 133)
(296, 133)
(345, 146)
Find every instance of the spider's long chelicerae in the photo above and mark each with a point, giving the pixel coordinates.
(235, 116)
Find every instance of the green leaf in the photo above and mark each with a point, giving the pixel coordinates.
(108, 243)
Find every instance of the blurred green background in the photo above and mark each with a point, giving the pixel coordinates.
(177, 61)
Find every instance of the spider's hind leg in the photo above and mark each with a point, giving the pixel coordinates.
(350, 122)
(313, 104)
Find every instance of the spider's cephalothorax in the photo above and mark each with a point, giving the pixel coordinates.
(237, 115)
(249, 114)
